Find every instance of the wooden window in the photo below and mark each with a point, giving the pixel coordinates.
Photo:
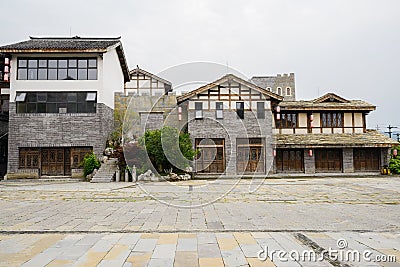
(219, 110)
(288, 120)
(332, 119)
(57, 69)
(240, 110)
(260, 110)
(56, 102)
(28, 158)
(198, 106)
(211, 156)
(77, 156)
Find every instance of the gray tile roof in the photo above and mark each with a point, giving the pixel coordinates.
(311, 105)
(69, 44)
(48, 44)
(371, 138)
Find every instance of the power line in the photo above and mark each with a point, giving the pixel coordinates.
(390, 130)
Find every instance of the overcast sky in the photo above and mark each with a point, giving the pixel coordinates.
(350, 47)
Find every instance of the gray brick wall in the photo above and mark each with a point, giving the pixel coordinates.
(232, 128)
(348, 161)
(58, 130)
(309, 162)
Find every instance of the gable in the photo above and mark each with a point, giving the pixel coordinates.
(230, 88)
(331, 98)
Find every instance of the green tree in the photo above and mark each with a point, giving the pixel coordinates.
(394, 163)
(167, 148)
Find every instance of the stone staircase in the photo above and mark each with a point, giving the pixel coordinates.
(106, 172)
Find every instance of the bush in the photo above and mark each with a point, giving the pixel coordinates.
(394, 165)
(90, 163)
(168, 149)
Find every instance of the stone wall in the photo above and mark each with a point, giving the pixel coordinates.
(58, 130)
(348, 161)
(230, 128)
(139, 113)
(309, 162)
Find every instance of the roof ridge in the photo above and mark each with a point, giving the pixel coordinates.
(76, 38)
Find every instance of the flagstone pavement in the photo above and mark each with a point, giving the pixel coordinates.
(199, 223)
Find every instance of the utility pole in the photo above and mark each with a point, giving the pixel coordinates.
(390, 130)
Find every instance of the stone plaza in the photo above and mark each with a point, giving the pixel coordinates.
(198, 222)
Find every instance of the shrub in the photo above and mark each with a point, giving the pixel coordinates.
(90, 163)
(394, 163)
(168, 148)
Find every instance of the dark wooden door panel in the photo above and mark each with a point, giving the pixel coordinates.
(366, 159)
(289, 160)
(328, 160)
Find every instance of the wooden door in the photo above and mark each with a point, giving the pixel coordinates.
(52, 161)
(366, 159)
(328, 160)
(289, 160)
(256, 161)
(211, 158)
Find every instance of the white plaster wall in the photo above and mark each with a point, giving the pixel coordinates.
(113, 78)
(317, 120)
(302, 119)
(301, 131)
(358, 120)
(348, 120)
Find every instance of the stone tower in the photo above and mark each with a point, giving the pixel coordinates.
(283, 85)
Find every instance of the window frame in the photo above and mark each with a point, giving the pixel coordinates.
(198, 110)
(55, 102)
(219, 110)
(240, 109)
(56, 70)
(260, 111)
(332, 119)
(285, 123)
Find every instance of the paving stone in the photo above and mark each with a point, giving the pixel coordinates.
(186, 258)
(207, 262)
(255, 262)
(168, 238)
(209, 251)
(164, 251)
(233, 257)
(145, 245)
(187, 244)
(139, 259)
(168, 262)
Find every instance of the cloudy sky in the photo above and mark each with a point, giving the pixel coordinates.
(350, 47)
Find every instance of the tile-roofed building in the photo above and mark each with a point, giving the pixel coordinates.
(69, 45)
(61, 102)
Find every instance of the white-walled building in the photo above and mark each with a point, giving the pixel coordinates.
(61, 101)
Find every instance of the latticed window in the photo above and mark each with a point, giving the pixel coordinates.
(29, 158)
(332, 119)
(288, 120)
